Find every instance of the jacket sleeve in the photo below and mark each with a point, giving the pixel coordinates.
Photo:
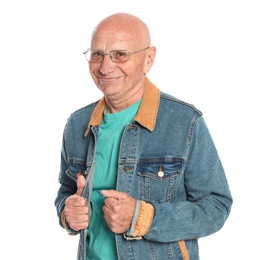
(207, 199)
(67, 187)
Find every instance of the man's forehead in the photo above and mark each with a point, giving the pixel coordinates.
(119, 40)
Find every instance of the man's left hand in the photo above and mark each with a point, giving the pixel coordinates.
(118, 210)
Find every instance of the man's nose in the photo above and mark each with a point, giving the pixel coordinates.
(106, 65)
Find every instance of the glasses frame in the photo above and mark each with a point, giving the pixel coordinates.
(109, 53)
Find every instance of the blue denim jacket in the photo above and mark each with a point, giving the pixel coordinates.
(167, 158)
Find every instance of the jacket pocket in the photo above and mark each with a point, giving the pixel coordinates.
(159, 178)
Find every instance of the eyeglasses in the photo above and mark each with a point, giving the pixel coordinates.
(115, 55)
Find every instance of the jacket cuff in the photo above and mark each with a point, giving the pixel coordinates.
(142, 220)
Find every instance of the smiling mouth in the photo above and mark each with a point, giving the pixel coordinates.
(109, 79)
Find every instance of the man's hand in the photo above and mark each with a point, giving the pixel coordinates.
(76, 209)
(118, 210)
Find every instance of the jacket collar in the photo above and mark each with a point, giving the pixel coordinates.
(146, 115)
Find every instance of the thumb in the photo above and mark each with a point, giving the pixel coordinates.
(113, 194)
(81, 183)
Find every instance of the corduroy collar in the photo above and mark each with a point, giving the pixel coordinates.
(146, 115)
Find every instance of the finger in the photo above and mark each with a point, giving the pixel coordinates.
(110, 202)
(114, 194)
(76, 201)
(81, 183)
(77, 222)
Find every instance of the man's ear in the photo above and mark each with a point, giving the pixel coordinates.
(149, 60)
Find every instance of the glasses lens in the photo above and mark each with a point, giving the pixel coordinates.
(96, 56)
(119, 56)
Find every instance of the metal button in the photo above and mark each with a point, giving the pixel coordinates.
(160, 174)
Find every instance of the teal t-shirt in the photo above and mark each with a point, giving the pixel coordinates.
(101, 240)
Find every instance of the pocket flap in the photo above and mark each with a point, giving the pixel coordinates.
(160, 169)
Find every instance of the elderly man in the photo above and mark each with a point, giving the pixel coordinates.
(140, 176)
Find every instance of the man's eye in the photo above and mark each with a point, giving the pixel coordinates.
(121, 53)
(97, 54)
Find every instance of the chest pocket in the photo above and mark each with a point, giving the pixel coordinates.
(159, 178)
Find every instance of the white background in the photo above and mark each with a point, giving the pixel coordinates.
(208, 54)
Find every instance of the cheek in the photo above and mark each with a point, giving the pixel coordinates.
(136, 71)
(93, 69)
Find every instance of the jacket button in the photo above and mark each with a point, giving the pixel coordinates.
(160, 174)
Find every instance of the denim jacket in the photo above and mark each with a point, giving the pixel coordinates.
(167, 158)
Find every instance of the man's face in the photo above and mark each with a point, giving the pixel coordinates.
(118, 80)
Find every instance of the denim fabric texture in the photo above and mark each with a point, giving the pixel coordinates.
(167, 158)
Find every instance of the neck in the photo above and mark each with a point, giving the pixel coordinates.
(119, 104)
(114, 107)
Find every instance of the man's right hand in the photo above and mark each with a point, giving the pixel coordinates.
(76, 209)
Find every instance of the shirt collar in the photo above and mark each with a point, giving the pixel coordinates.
(146, 115)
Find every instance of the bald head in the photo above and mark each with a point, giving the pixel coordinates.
(130, 27)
